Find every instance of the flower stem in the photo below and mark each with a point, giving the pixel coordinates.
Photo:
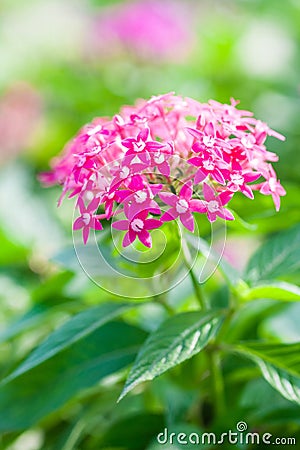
(217, 384)
(162, 301)
(196, 286)
(197, 290)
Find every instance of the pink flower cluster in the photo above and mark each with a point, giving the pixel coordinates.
(165, 159)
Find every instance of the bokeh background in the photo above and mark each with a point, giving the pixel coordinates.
(64, 63)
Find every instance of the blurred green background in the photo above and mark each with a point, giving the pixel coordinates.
(64, 63)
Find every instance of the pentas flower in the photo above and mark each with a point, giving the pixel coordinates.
(87, 219)
(165, 159)
(273, 187)
(137, 227)
(183, 205)
(213, 205)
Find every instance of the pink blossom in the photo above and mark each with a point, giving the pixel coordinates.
(87, 220)
(137, 227)
(273, 187)
(238, 179)
(146, 28)
(182, 206)
(136, 162)
(208, 164)
(20, 116)
(213, 204)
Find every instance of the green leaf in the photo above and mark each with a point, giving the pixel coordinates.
(74, 330)
(176, 340)
(276, 290)
(279, 256)
(30, 319)
(30, 396)
(279, 364)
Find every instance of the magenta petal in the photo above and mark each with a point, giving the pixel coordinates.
(265, 189)
(225, 197)
(134, 209)
(122, 195)
(127, 142)
(81, 205)
(209, 129)
(276, 200)
(164, 169)
(225, 214)
(85, 232)
(97, 225)
(136, 183)
(93, 206)
(248, 177)
(144, 134)
(246, 190)
(153, 145)
(197, 134)
(145, 238)
(208, 192)
(121, 225)
(195, 161)
(200, 176)
(186, 191)
(218, 176)
(151, 224)
(211, 216)
(143, 214)
(153, 208)
(172, 214)
(187, 220)
(198, 206)
(281, 190)
(127, 240)
(155, 188)
(168, 198)
(78, 224)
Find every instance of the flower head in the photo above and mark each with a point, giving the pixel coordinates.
(137, 227)
(168, 157)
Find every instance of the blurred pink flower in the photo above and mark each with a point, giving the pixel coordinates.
(147, 28)
(20, 111)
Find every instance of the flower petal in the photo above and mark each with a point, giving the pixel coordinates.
(121, 225)
(187, 220)
(151, 224)
(145, 238)
(208, 192)
(172, 214)
(198, 206)
(168, 198)
(78, 224)
(85, 233)
(186, 191)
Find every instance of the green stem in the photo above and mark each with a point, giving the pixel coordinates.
(213, 354)
(197, 288)
(217, 384)
(233, 307)
(161, 300)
